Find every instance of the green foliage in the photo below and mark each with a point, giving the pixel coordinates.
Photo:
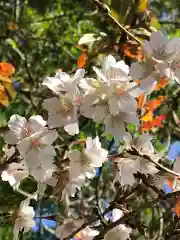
(38, 38)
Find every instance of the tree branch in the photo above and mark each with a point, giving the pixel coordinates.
(105, 9)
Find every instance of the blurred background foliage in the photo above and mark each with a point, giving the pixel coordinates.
(40, 37)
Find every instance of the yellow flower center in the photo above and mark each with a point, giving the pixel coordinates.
(95, 83)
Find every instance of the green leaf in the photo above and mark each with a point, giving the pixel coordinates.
(13, 44)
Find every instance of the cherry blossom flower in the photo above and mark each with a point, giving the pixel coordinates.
(120, 232)
(142, 143)
(146, 73)
(14, 173)
(111, 98)
(20, 128)
(112, 86)
(163, 61)
(115, 124)
(33, 139)
(24, 218)
(156, 46)
(84, 163)
(73, 185)
(131, 164)
(44, 178)
(160, 48)
(62, 113)
(112, 70)
(62, 82)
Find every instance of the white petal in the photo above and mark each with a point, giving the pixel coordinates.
(49, 137)
(86, 84)
(158, 40)
(10, 152)
(100, 112)
(116, 214)
(36, 123)
(10, 138)
(114, 105)
(88, 112)
(24, 146)
(51, 104)
(148, 84)
(131, 117)
(108, 62)
(74, 155)
(127, 103)
(127, 171)
(72, 128)
(100, 74)
(16, 123)
(90, 98)
(137, 70)
(122, 66)
(115, 126)
(78, 75)
(32, 159)
(173, 46)
(147, 47)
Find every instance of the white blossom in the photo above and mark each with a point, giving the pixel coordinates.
(44, 178)
(111, 98)
(112, 70)
(142, 143)
(112, 86)
(20, 128)
(162, 61)
(14, 173)
(146, 73)
(115, 124)
(84, 163)
(73, 185)
(62, 113)
(25, 218)
(131, 164)
(160, 48)
(62, 82)
(34, 141)
(156, 46)
(120, 232)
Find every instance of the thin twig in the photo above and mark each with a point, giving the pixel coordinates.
(84, 225)
(105, 8)
(121, 155)
(164, 168)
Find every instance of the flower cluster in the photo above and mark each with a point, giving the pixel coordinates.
(83, 164)
(109, 100)
(161, 60)
(34, 141)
